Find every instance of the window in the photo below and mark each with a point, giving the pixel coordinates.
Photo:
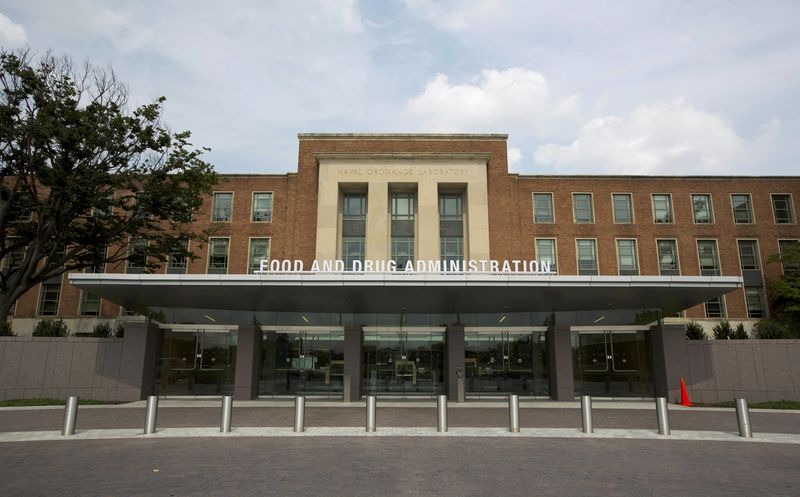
(218, 256)
(709, 258)
(354, 225)
(587, 256)
(137, 255)
(742, 209)
(701, 207)
(543, 208)
(715, 308)
(178, 261)
(402, 229)
(784, 246)
(754, 299)
(782, 208)
(623, 208)
(13, 259)
(222, 208)
(582, 207)
(48, 297)
(668, 258)
(90, 304)
(106, 207)
(451, 228)
(662, 208)
(140, 207)
(262, 207)
(546, 252)
(748, 255)
(626, 257)
(259, 251)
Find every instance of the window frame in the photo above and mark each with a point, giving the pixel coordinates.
(553, 267)
(614, 208)
(596, 257)
(671, 208)
(128, 266)
(759, 266)
(250, 250)
(716, 253)
(168, 262)
(40, 301)
(752, 211)
(780, 252)
(591, 208)
(253, 206)
(552, 207)
(677, 255)
(82, 301)
(227, 254)
(712, 219)
(635, 255)
(214, 206)
(764, 307)
(792, 217)
(723, 308)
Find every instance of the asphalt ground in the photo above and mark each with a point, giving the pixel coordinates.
(398, 466)
(19, 419)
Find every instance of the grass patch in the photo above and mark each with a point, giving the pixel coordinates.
(775, 404)
(48, 402)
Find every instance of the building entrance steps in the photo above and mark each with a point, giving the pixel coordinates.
(617, 415)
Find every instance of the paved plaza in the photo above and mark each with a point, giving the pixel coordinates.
(188, 455)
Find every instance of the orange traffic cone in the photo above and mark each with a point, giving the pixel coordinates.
(684, 395)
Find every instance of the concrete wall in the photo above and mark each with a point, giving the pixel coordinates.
(720, 370)
(35, 367)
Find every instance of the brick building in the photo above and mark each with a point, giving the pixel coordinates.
(631, 259)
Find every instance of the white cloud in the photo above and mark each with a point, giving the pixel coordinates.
(12, 35)
(665, 137)
(514, 158)
(515, 100)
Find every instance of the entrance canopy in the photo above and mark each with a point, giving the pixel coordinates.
(405, 292)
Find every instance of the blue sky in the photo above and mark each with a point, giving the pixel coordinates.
(695, 87)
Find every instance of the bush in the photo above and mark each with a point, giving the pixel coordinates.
(51, 328)
(695, 331)
(723, 330)
(102, 330)
(771, 330)
(739, 333)
(119, 330)
(6, 331)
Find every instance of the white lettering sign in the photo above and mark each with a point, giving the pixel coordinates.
(421, 266)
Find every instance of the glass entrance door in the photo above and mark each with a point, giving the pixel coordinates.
(404, 363)
(506, 362)
(308, 362)
(196, 363)
(611, 363)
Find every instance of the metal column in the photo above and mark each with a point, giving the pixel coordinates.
(662, 414)
(150, 415)
(586, 413)
(441, 411)
(513, 413)
(70, 416)
(299, 414)
(743, 417)
(371, 413)
(227, 411)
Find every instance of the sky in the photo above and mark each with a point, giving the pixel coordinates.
(581, 87)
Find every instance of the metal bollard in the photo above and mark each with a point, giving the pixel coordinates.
(743, 417)
(70, 416)
(346, 385)
(513, 413)
(663, 415)
(150, 415)
(299, 414)
(586, 413)
(227, 410)
(441, 410)
(371, 413)
(460, 385)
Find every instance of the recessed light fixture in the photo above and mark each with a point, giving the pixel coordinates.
(502, 318)
(209, 318)
(598, 319)
(304, 318)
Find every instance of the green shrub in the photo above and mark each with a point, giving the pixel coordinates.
(723, 330)
(739, 333)
(768, 329)
(694, 331)
(6, 331)
(51, 328)
(102, 330)
(119, 330)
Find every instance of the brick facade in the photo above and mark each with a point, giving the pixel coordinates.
(512, 230)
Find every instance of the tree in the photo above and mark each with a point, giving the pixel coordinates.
(83, 177)
(695, 331)
(723, 330)
(785, 291)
